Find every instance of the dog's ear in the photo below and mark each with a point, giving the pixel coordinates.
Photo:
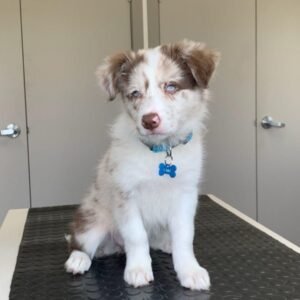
(112, 71)
(200, 60)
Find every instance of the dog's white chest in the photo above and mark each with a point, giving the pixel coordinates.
(157, 195)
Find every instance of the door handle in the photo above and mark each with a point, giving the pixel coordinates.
(12, 131)
(267, 122)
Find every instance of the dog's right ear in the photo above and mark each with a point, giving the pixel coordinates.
(112, 71)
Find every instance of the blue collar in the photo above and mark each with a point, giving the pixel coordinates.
(165, 147)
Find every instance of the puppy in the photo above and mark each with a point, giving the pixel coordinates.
(146, 192)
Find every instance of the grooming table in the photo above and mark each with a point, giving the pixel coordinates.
(243, 262)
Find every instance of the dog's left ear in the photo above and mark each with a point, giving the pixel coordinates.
(200, 60)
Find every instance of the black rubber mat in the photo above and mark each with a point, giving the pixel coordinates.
(243, 263)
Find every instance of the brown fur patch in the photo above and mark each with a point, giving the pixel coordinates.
(196, 62)
(174, 52)
(202, 63)
(83, 220)
(146, 82)
(120, 67)
(73, 244)
(122, 198)
(108, 166)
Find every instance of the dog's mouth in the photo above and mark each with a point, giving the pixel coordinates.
(153, 133)
(158, 134)
(152, 137)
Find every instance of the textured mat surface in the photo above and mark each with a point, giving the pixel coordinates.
(243, 263)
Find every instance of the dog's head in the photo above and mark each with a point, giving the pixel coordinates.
(164, 89)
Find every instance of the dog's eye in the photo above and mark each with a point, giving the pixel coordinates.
(170, 88)
(135, 94)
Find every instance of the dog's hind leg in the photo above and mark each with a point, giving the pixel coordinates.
(88, 232)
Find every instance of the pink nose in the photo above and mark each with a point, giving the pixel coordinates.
(151, 121)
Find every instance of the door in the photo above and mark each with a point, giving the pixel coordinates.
(278, 90)
(68, 116)
(228, 26)
(14, 183)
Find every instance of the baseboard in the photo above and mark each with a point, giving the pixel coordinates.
(254, 223)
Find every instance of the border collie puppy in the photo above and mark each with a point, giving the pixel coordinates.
(146, 192)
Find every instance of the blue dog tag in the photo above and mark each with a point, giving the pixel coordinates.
(168, 169)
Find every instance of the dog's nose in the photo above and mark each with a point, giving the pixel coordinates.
(151, 121)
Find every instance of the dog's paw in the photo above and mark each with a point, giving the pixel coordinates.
(78, 262)
(194, 278)
(138, 275)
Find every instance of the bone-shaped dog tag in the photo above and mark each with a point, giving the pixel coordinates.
(167, 169)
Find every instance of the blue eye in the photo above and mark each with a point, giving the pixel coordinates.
(135, 94)
(171, 88)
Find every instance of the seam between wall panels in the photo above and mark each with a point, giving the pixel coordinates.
(25, 102)
(145, 24)
(131, 24)
(158, 12)
(256, 113)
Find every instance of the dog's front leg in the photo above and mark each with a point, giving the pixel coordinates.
(190, 274)
(138, 270)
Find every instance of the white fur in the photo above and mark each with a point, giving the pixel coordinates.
(78, 262)
(136, 208)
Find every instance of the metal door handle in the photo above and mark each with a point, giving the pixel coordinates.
(12, 131)
(267, 122)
